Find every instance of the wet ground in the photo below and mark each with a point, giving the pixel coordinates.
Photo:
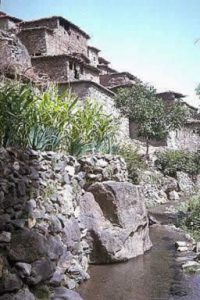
(157, 275)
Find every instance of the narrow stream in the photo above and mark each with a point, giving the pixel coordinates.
(157, 275)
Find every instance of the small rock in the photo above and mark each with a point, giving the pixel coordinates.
(5, 237)
(69, 283)
(191, 267)
(174, 196)
(70, 170)
(24, 270)
(41, 270)
(65, 294)
(57, 279)
(10, 283)
(102, 163)
(24, 294)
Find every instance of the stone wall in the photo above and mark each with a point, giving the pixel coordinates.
(63, 68)
(13, 54)
(187, 138)
(51, 227)
(87, 89)
(64, 38)
(34, 40)
(116, 79)
(93, 56)
(6, 24)
(56, 67)
(133, 133)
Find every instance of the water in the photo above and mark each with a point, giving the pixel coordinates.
(157, 275)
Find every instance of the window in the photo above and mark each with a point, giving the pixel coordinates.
(78, 37)
(76, 72)
(71, 65)
(82, 70)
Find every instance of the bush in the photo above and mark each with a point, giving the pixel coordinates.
(191, 222)
(133, 160)
(170, 162)
(91, 130)
(51, 121)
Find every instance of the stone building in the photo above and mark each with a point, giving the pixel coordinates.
(8, 22)
(59, 50)
(117, 80)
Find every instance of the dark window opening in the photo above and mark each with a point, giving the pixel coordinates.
(82, 70)
(71, 65)
(78, 37)
(76, 72)
(37, 54)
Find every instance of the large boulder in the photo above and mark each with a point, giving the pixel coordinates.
(116, 218)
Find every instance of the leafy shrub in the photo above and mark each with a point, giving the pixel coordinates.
(191, 221)
(169, 162)
(48, 120)
(133, 160)
(91, 130)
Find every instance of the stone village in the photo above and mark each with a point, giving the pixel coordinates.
(60, 51)
(58, 213)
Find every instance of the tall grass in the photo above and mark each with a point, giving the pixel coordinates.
(48, 120)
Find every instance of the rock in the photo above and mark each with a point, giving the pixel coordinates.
(120, 203)
(174, 196)
(102, 163)
(55, 225)
(24, 294)
(69, 283)
(1, 266)
(9, 283)
(185, 183)
(65, 294)
(24, 270)
(41, 271)
(183, 246)
(54, 247)
(70, 170)
(71, 234)
(180, 244)
(77, 272)
(57, 279)
(198, 247)
(191, 267)
(5, 237)
(152, 183)
(117, 223)
(152, 220)
(27, 246)
(169, 184)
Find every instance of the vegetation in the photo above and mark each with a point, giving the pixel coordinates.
(172, 161)
(134, 161)
(141, 105)
(191, 221)
(51, 121)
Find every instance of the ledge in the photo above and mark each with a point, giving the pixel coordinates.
(90, 83)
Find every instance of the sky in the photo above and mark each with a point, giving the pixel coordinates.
(156, 40)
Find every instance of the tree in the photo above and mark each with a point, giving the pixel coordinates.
(142, 106)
